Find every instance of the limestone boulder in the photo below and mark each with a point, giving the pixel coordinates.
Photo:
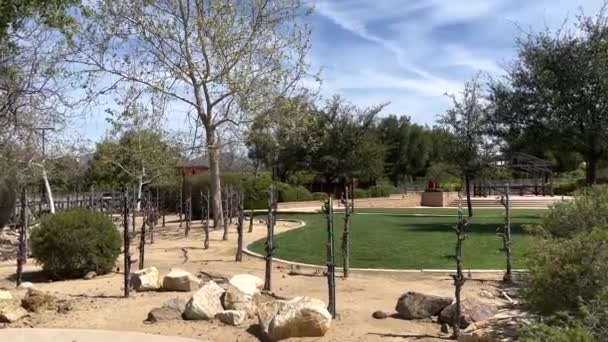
(299, 317)
(37, 300)
(176, 304)
(11, 311)
(231, 317)
(483, 335)
(90, 275)
(145, 280)
(247, 283)
(241, 293)
(415, 305)
(471, 311)
(5, 295)
(205, 303)
(180, 280)
(26, 285)
(163, 314)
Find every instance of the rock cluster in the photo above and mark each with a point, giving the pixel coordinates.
(12, 309)
(239, 300)
(415, 305)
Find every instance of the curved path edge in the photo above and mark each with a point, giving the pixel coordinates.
(249, 252)
(88, 335)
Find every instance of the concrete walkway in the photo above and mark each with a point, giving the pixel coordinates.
(77, 335)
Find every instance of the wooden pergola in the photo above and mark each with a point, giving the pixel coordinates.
(537, 176)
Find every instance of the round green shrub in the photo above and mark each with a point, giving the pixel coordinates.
(382, 190)
(319, 196)
(361, 193)
(588, 210)
(8, 196)
(544, 333)
(564, 272)
(288, 193)
(74, 242)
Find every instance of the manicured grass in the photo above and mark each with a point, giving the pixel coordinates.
(389, 238)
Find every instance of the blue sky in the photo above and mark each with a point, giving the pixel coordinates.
(411, 52)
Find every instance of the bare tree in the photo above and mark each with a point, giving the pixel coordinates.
(348, 202)
(239, 224)
(221, 59)
(331, 262)
(270, 222)
(32, 95)
(126, 241)
(459, 279)
(505, 233)
(205, 217)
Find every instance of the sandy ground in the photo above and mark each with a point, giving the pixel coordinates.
(97, 303)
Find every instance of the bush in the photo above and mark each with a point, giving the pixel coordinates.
(382, 190)
(588, 210)
(451, 186)
(319, 196)
(567, 189)
(74, 242)
(564, 272)
(288, 193)
(361, 193)
(8, 196)
(546, 333)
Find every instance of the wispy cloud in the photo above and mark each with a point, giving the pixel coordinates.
(411, 52)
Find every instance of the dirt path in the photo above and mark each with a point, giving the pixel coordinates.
(97, 303)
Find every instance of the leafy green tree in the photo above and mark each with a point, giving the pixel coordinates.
(280, 138)
(348, 147)
(558, 85)
(408, 148)
(52, 13)
(467, 123)
(135, 158)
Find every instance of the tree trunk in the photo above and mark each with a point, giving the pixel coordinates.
(467, 182)
(251, 221)
(331, 265)
(591, 169)
(225, 236)
(21, 252)
(140, 186)
(269, 241)
(142, 242)
(49, 193)
(214, 172)
(239, 227)
(458, 278)
(506, 235)
(346, 233)
(126, 243)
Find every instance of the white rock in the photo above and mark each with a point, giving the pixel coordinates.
(145, 280)
(235, 299)
(247, 283)
(5, 295)
(26, 286)
(231, 317)
(205, 303)
(180, 280)
(11, 311)
(299, 317)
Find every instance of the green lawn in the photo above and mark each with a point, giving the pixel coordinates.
(395, 238)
